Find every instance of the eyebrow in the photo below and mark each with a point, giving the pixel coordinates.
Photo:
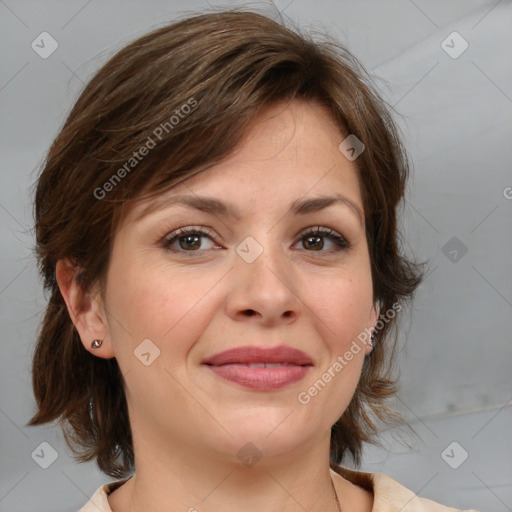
(218, 208)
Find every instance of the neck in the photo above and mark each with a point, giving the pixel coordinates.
(193, 480)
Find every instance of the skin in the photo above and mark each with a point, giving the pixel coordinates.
(187, 423)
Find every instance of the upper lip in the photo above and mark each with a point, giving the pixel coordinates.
(253, 354)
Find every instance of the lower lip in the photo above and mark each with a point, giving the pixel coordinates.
(261, 379)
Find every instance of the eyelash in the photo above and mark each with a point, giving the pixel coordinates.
(341, 242)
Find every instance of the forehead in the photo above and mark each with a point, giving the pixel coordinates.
(289, 151)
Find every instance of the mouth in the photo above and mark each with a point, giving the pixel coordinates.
(260, 365)
(252, 354)
(259, 368)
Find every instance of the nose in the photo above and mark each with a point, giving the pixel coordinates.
(264, 290)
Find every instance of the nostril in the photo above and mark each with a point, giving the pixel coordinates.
(250, 312)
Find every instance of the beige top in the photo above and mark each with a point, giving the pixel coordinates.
(388, 494)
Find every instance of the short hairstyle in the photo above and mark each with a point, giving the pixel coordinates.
(187, 92)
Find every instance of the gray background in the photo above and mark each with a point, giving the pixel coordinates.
(456, 118)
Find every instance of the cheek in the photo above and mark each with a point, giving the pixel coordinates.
(158, 304)
(343, 304)
(341, 315)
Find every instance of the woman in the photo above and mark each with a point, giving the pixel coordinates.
(216, 224)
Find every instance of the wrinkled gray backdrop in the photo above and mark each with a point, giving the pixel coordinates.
(445, 66)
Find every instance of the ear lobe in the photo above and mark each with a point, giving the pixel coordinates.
(85, 309)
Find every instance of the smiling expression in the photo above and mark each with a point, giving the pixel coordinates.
(265, 249)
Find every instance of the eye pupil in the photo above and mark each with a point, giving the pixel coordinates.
(319, 242)
(190, 239)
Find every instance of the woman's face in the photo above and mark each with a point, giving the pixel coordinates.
(249, 271)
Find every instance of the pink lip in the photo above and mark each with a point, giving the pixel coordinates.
(253, 354)
(232, 365)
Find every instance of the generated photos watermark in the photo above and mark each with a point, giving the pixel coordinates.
(304, 397)
(151, 142)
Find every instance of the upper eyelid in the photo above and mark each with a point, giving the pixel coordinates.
(206, 231)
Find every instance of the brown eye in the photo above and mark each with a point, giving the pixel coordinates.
(190, 242)
(314, 240)
(189, 239)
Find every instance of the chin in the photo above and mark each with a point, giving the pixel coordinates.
(272, 434)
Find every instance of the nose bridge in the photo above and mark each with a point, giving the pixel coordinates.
(263, 277)
(262, 258)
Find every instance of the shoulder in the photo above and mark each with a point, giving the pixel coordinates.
(390, 495)
(99, 500)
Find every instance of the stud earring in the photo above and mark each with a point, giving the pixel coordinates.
(96, 343)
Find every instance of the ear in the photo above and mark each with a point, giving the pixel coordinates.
(86, 309)
(373, 317)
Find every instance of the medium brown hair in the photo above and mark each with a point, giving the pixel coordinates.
(226, 66)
